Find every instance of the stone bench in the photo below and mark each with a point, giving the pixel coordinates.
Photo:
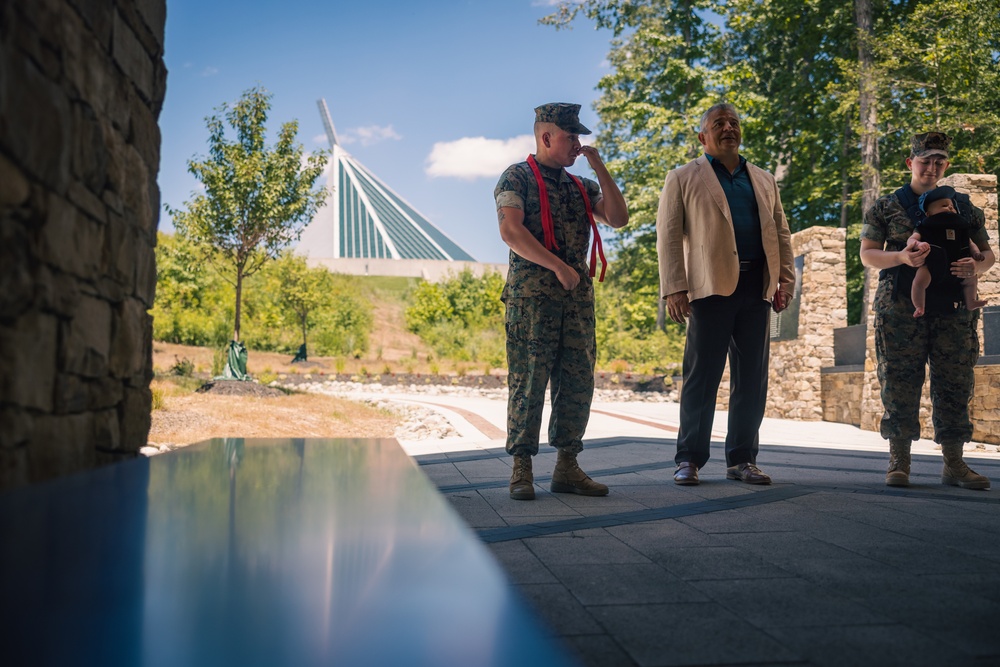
(256, 552)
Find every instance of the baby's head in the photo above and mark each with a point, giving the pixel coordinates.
(938, 200)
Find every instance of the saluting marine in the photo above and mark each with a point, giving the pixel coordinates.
(547, 217)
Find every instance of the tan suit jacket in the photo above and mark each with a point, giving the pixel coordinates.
(695, 240)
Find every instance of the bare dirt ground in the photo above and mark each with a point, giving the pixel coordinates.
(185, 415)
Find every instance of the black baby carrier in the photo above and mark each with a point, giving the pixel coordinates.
(948, 236)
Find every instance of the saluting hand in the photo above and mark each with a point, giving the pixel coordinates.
(592, 155)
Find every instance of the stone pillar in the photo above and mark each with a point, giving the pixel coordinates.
(982, 190)
(795, 381)
(81, 87)
(794, 376)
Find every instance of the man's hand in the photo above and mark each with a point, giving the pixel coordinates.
(568, 277)
(781, 300)
(678, 306)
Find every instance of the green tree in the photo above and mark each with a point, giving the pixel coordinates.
(461, 316)
(192, 306)
(782, 70)
(338, 314)
(256, 199)
(939, 65)
(825, 86)
(303, 291)
(664, 58)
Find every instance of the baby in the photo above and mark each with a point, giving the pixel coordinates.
(940, 201)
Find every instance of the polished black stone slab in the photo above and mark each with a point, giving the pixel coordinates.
(255, 552)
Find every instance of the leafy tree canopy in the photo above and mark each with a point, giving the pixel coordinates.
(791, 67)
(256, 199)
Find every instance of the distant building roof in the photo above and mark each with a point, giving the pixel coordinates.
(365, 218)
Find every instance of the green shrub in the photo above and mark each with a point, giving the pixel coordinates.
(460, 317)
(182, 367)
(195, 305)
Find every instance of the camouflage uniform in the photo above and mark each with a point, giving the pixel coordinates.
(550, 331)
(904, 344)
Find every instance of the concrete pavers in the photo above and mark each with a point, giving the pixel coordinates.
(827, 566)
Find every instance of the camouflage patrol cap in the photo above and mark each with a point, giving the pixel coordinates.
(940, 192)
(930, 143)
(564, 116)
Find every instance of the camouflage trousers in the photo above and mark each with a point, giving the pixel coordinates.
(904, 345)
(549, 343)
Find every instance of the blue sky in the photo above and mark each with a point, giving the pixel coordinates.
(435, 97)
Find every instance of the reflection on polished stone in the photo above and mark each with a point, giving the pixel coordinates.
(256, 552)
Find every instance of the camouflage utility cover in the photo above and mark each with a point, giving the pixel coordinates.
(564, 116)
(517, 189)
(930, 143)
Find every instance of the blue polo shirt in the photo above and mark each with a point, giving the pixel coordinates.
(743, 208)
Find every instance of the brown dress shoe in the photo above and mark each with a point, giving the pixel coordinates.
(747, 472)
(686, 474)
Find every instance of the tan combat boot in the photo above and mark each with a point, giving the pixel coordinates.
(898, 473)
(956, 472)
(522, 481)
(568, 478)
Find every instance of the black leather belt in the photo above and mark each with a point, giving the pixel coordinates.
(750, 264)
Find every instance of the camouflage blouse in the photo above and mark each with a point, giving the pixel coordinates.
(887, 223)
(517, 188)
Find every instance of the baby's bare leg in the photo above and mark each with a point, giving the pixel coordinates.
(918, 292)
(970, 289)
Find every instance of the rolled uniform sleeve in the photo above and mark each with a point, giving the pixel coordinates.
(509, 198)
(873, 228)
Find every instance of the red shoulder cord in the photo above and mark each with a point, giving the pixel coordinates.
(596, 244)
(548, 229)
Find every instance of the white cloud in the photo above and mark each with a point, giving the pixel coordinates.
(210, 71)
(369, 135)
(320, 139)
(477, 157)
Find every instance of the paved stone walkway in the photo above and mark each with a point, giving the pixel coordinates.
(827, 566)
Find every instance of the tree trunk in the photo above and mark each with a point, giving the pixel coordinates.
(304, 317)
(239, 302)
(845, 188)
(869, 131)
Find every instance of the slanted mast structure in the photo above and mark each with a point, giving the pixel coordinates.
(365, 219)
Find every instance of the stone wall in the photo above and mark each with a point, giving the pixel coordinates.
(985, 407)
(982, 189)
(842, 396)
(795, 383)
(81, 87)
(794, 377)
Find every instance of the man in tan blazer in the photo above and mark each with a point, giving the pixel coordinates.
(725, 256)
